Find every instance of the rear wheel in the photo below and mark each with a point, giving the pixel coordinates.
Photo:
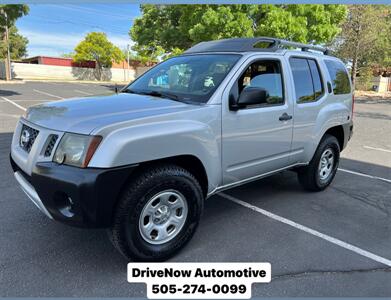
(321, 170)
(157, 214)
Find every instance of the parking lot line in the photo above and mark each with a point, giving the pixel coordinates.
(378, 149)
(306, 229)
(13, 103)
(365, 175)
(47, 94)
(85, 93)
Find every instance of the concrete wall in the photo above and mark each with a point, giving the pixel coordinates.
(378, 84)
(34, 71)
(141, 70)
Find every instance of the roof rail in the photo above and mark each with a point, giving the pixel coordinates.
(251, 44)
(303, 47)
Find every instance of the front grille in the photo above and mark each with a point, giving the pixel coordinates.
(27, 137)
(52, 139)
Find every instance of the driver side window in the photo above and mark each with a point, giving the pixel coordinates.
(265, 74)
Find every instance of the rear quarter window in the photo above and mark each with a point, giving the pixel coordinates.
(339, 77)
(307, 79)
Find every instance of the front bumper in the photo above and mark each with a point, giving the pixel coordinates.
(75, 196)
(29, 190)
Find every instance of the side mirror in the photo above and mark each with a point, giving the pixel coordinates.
(249, 96)
(329, 87)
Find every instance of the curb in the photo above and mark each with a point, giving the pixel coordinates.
(12, 82)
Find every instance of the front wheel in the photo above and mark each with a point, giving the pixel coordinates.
(321, 170)
(157, 214)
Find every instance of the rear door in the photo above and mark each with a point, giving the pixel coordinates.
(319, 99)
(309, 98)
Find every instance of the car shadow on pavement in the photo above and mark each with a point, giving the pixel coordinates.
(373, 100)
(367, 168)
(370, 115)
(6, 93)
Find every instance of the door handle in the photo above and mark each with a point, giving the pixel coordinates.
(285, 117)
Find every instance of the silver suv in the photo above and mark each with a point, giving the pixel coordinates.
(141, 162)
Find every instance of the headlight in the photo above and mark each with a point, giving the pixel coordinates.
(76, 149)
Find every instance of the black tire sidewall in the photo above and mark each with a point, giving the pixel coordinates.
(331, 143)
(168, 179)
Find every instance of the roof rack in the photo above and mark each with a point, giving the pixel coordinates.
(260, 44)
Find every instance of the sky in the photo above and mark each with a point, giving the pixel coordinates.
(55, 29)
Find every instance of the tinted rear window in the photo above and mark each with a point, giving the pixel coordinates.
(302, 79)
(307, 79)
(316, 79)
(339, 77)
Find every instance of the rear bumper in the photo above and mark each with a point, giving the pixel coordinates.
(348, 133)
(75, 196)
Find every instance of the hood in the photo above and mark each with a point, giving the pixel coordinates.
(83, 115)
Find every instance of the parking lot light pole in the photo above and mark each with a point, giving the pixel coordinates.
(8, 73)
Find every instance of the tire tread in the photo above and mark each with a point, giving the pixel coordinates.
(130, 197)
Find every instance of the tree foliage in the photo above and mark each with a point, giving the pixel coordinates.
(14, 12)
(18, 43)
(68, 55)
(166, 29)
(96, 47)
(365, 39)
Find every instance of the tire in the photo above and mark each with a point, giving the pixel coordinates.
(138, 207)
(311, 177)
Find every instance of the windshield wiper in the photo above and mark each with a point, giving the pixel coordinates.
(153, 93)
(161, 95)
(128, 91)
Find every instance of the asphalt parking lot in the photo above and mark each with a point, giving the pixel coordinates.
(333, 243)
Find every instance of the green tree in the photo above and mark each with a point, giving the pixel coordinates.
(365, 38)
(163, 28)
(310, 23)
(381, 54)
(18, 43)
(14, 12)
(68, 55)
(96, 47)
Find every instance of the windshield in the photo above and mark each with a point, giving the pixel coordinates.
(192, 78)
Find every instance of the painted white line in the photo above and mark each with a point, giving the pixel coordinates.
(316, 233)
(82, 92)
(365, 175)
(378, 149)
(32, 100)
(13, 103)
(47, 94)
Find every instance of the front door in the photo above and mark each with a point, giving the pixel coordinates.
(257, 139)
